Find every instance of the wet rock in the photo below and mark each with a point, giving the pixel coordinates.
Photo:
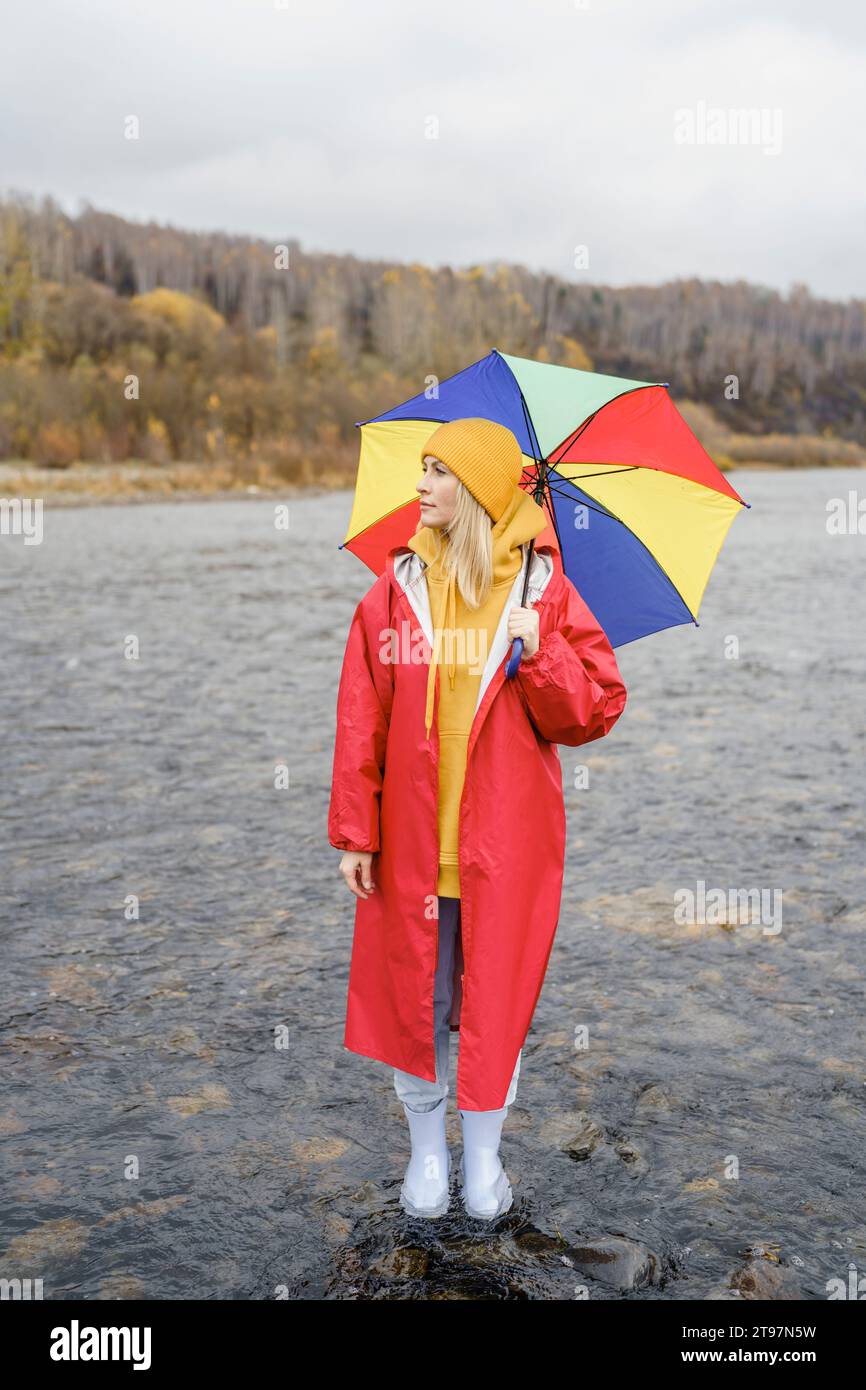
(574, 1132)
(702, 1185)
(122, 1285)
(147, 1211)
(760, 1278)
(320, 1148)
(538, 1243)
(617, 1262)
(405, 1262)
(368, 1194)
(652, 1095)
(52, 1240)
(212, 1096)
(631, 1154)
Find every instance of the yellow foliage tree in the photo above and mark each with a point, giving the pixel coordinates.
(573, 354)
(182, 311)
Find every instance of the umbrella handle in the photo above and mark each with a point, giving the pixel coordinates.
(517, 644)
(514, 659)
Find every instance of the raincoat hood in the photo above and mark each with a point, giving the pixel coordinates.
(522, 520)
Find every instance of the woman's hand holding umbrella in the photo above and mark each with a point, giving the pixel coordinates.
(523, 627)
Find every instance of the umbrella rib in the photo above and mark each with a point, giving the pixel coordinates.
(606, 471)
(569, 497)
(540, 462)
(575, 435)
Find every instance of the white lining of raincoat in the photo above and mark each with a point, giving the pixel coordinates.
(409, 569)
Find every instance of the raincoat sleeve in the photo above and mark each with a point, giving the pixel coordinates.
(363, 711)
(572, 688)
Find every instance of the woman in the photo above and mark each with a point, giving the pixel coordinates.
(447, 775)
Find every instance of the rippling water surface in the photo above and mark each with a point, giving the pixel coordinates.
(179, 1118)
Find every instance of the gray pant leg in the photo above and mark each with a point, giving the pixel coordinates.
(414, 1091)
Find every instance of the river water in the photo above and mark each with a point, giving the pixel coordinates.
(179, 1117)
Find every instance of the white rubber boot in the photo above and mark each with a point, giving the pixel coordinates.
(425, 1186)
(486, 1189)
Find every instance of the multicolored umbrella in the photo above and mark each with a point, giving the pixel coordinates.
(636, 506)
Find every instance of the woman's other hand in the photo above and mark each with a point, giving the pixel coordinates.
(523, 622)
(350, 863)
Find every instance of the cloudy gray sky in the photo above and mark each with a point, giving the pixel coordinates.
(462, 132)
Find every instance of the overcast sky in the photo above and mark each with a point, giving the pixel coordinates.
(557, 124)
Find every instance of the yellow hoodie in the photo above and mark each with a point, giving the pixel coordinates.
(466, 635)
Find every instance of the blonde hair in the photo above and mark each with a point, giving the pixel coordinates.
(468, 548)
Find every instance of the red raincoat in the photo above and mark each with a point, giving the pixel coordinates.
(384, 799)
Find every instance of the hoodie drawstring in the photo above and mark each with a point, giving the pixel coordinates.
(450, 608)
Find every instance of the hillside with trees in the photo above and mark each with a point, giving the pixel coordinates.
(258, 357)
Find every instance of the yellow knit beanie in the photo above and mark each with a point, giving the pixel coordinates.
(485, 456)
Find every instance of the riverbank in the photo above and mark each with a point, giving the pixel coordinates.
(86, 484)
